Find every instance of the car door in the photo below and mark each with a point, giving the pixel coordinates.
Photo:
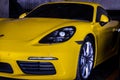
(105, 35)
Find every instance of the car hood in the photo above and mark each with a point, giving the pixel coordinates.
(28, 28)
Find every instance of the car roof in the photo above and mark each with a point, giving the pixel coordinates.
(77, 2)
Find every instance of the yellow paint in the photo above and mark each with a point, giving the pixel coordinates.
(21, 37)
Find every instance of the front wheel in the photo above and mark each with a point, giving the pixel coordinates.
(86, 59)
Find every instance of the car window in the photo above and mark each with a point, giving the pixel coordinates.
(64, 10)
(100, 11)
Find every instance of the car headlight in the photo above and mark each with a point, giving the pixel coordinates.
(60, 35)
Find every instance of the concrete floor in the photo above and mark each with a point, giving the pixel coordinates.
(108, 70)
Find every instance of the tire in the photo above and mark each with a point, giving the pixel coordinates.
(86, 59)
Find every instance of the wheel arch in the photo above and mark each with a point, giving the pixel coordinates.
(92, 37)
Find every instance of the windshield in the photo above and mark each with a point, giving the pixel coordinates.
(64, 10)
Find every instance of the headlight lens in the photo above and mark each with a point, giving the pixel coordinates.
(60, 35)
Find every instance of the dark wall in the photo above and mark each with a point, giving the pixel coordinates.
(15, 9)
(19, 6)
(108, 4)
(30, 4)
(114, 14)
(4, 8)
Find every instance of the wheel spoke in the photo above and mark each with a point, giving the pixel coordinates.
(88, 48)
(84, 51)
(91, 58)
(90, 63)
(85, 71)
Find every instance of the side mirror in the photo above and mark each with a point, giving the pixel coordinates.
(22, 15)
(104, 18)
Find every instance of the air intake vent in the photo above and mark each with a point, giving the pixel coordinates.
(38, 68)
(5, 67)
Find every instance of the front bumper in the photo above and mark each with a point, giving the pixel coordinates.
(65, 67)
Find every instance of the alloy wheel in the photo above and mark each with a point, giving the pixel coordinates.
(86, 59)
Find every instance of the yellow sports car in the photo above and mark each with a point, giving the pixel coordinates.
(58, 40)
